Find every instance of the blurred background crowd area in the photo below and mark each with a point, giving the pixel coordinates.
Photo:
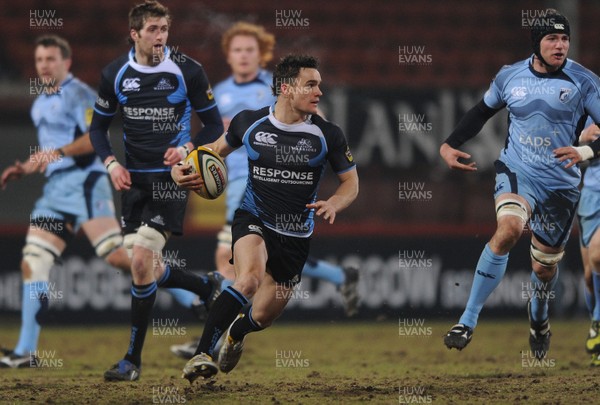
(397, 76)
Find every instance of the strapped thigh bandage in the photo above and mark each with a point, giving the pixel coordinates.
(108, 242)
(128, 241)
(545, 259)
(150, 238)
(39, 254)
(224, 237)
(511, 207)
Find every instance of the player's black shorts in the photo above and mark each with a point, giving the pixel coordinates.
(154, 200)
(286, 254)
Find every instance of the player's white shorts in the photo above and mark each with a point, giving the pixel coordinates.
(75, 196)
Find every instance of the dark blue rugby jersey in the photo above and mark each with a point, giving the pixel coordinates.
(155, 103)
(285, 164)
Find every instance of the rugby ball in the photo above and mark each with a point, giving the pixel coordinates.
(211, 169)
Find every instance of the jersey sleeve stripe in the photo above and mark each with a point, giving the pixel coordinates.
(103, 113)
(207, 108)
(346, 170)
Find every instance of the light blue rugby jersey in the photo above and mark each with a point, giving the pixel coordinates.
(591, 178)
(545, 111)
(63, 116)
(233, 98)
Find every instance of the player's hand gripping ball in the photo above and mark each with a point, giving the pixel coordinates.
(211, 169)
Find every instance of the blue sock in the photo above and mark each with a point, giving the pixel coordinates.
(596, 311)
(488, 274)
(34, 301)
(185, 298)
(541, 293)
(325, 271)
(590, 302)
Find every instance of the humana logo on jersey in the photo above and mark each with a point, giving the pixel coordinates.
(102, 102)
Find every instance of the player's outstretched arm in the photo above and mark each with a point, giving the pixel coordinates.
(13, 172)
(220, 146)
(468, 127)
(344, 195)
(451, 156)
(38, 162)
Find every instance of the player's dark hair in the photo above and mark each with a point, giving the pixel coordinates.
(288, 69)
(140, 13)
(54, 40)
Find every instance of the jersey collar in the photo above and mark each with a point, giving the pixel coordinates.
(559, 72)
(283, 125)
(257, 79)
(68, 79)
(134, 63)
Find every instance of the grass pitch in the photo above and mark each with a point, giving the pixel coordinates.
(347, 363)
